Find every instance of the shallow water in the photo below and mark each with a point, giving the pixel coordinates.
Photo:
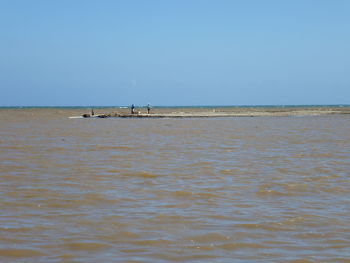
(267, 189)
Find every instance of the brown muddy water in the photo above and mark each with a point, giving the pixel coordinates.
(266, 189)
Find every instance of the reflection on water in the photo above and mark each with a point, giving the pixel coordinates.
(160, 190)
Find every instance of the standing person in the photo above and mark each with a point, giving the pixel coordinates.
(92, 112)
(148, 108)
(132, 109)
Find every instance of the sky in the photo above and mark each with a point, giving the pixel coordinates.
(174, 52)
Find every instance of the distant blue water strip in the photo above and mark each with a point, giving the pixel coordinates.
(170, 107)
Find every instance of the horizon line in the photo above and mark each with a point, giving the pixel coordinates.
(170, 106)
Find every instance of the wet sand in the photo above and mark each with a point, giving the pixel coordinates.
(226, 112)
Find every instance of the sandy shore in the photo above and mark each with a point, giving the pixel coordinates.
(227, 112)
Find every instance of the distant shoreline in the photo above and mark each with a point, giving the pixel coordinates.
(186, 111)
(182, 107)
(197, 112)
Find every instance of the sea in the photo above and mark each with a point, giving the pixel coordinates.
(230, 189)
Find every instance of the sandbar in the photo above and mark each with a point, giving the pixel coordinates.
(224, 112)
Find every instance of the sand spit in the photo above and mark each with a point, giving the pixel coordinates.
(225, 112)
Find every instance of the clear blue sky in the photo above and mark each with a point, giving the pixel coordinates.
(174, 52)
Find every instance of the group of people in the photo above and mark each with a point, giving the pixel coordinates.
(133, 109)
